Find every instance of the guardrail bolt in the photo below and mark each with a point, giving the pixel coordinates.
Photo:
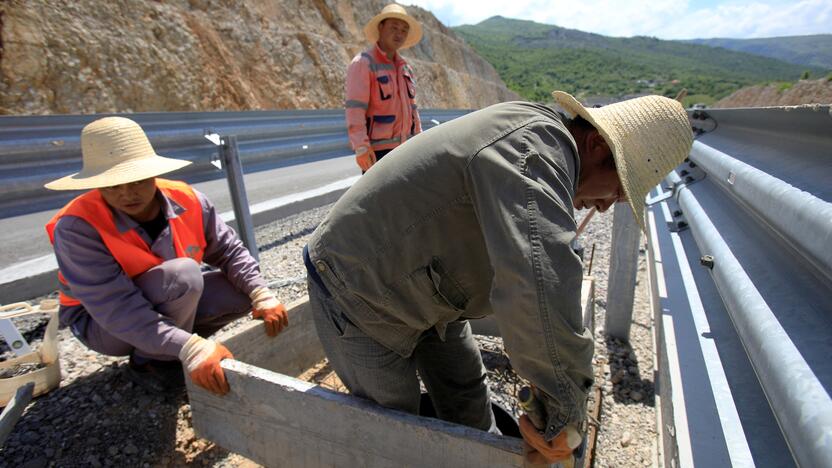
(681, 225)
(707, 261)
(692, 164)
(684, 172)
(677, 213)
(688, 179)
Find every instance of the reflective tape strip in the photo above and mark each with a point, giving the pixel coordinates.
(381, 66)
(384, 142)
(351, 104)
(384, 118)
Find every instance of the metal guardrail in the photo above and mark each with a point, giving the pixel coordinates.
(740, 256)
(37, 149)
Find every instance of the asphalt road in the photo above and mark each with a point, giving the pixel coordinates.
(24, 238)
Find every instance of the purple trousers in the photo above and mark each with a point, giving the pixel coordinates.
(194, 301)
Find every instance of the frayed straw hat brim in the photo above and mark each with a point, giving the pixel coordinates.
(123, 173)
(394, 11)
(648, 136)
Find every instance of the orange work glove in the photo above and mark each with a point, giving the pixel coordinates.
(541, 452)
(202, 358)
(365, 159)
(265, 306)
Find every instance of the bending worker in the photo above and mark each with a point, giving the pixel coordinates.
(489, 233)
(129, 255)
(380, 90)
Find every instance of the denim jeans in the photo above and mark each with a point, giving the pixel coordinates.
(452, 370)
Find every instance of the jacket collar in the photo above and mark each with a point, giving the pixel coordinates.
(382, 57)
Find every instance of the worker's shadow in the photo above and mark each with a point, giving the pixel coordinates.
(628, 386)
(104, 419)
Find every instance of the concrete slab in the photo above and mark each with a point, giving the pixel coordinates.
(278, 420)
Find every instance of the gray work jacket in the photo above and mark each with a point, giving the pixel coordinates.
(471, 218)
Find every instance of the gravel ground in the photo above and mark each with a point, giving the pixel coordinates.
(99, 418)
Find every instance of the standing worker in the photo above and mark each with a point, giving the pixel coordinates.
(490, 234)
(381, 92)
(129, 255)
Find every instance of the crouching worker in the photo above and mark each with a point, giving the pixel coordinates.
(129, 255)
(475, 218)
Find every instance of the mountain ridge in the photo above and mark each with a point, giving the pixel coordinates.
(535, 58)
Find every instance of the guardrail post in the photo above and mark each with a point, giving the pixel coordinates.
(236, 185)
(622, 275)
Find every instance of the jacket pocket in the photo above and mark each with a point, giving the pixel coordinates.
(446, 289)
(385, 87)
(382, 127)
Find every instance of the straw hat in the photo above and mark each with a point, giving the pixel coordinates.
(115, 151)
(396, 11)
(648, 136)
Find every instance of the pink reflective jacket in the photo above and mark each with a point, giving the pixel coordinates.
(380, 101)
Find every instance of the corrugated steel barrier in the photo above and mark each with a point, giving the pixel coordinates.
(740, 259)
(37, 149)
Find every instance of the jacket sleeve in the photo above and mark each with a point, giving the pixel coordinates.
(108, 294)
(357, 102)
(417, 120)
(226, 251)
(521, 189)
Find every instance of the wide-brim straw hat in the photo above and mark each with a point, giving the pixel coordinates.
(393, 10)
(648, 136)
(115, 151)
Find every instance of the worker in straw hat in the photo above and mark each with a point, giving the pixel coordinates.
(381, 90)
(129, 254)
(488, 234)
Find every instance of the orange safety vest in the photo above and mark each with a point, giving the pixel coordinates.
(128, 248)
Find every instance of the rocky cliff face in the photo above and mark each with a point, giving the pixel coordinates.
(85, 56)
(802, 92)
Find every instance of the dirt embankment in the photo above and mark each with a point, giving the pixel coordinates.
(782, 94)
(86, 56)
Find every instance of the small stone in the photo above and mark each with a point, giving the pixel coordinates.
(92, 460)
(635, 395)
(93, 441)
(39, 462)
(112, 451)
(618, 376)
(49, 452)
(131, 449)
(633, 370)
(29, 437)
(626, 439)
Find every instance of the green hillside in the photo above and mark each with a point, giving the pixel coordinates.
(813, 51)
(534, 59)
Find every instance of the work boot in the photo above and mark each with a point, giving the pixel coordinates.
(160, 377)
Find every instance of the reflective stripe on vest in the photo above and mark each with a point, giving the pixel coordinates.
(128, 248)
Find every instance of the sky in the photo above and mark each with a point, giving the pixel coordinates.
(665, 19)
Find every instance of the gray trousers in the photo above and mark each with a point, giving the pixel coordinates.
(195, 301)
(452, 370)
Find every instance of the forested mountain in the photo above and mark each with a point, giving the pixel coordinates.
(813, 51)
(534, 59)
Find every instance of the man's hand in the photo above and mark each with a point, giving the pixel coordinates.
(541, 452)
(202, 358)
(365, 157)
(266, 306)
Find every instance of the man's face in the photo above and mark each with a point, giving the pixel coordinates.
(392, 33)
(598, 184)
(137, 199)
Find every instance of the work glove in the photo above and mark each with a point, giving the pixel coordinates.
(539, 451)
(365, 157)
(201, 359)
(265, 306)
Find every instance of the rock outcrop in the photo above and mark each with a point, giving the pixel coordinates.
(784, 94)
(89, 56)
